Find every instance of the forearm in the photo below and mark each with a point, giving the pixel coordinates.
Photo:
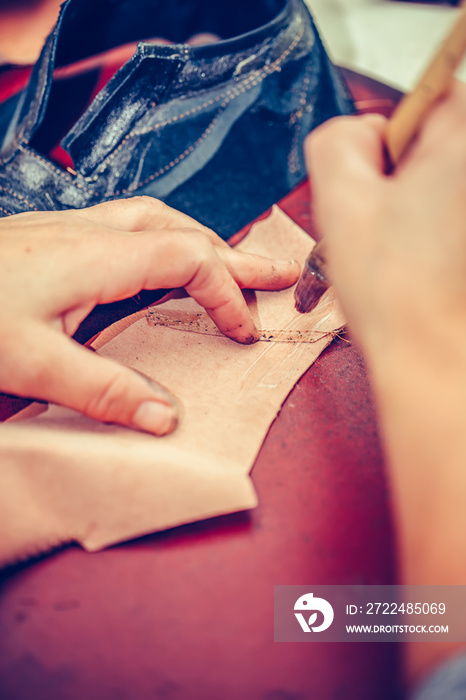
(421, 398)
(422, 415)
(397, 257)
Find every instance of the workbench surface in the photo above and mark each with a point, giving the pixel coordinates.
(188, 614)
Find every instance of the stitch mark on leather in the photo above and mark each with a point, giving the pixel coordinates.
(201, 323)
(22, 199)
(251, 81)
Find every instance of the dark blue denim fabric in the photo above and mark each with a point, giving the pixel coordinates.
(216, 130)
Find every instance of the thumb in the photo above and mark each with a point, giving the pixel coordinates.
(61, 371)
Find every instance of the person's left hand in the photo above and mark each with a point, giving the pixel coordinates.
(56, 266)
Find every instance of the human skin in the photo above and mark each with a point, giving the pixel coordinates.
(56, 266)
(396, 247)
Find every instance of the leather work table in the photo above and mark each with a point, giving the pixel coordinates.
(187, 614)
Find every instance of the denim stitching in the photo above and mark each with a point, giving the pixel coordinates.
(194, 92)
(155, 127)
(18, 196)
(176, 160)
(295, 119)
(254, 79)
(8, 213)
(25, 148)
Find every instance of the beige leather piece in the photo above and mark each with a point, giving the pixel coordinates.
(64, 477)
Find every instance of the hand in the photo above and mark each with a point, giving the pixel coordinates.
(397, 256)
(56, 266)
(396, 244)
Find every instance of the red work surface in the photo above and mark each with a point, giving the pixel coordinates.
(188, 614)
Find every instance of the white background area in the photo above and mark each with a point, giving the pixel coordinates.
(390, 41)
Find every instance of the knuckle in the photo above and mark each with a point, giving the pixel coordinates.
(201, 262)
(194, 245)
(202, 254)
(202, 246)
(148, 206)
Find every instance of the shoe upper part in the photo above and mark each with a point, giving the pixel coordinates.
(214, 130)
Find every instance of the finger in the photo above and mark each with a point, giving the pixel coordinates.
(168, 260)
(214, 288)
(178, 259)
(145, 214)
(57, 369)
(259, 272)
(193, 263)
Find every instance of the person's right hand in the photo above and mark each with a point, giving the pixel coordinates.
(396, 244)
(396, 249)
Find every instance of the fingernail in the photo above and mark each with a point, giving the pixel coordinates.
(155, 417)
(252, 337)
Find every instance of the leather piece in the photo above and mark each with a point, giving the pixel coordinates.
(65, 477)
(186, 613)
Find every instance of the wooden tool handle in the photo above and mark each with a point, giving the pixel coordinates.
(435, 82)
(403, 125)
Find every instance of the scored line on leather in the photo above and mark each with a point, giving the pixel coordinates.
(200, 323)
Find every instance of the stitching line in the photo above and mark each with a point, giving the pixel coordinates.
(200, 324)
(27, 149)
(18, 196)
(175, 161)
(293, 159)
(8, 213)
(254, 79)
